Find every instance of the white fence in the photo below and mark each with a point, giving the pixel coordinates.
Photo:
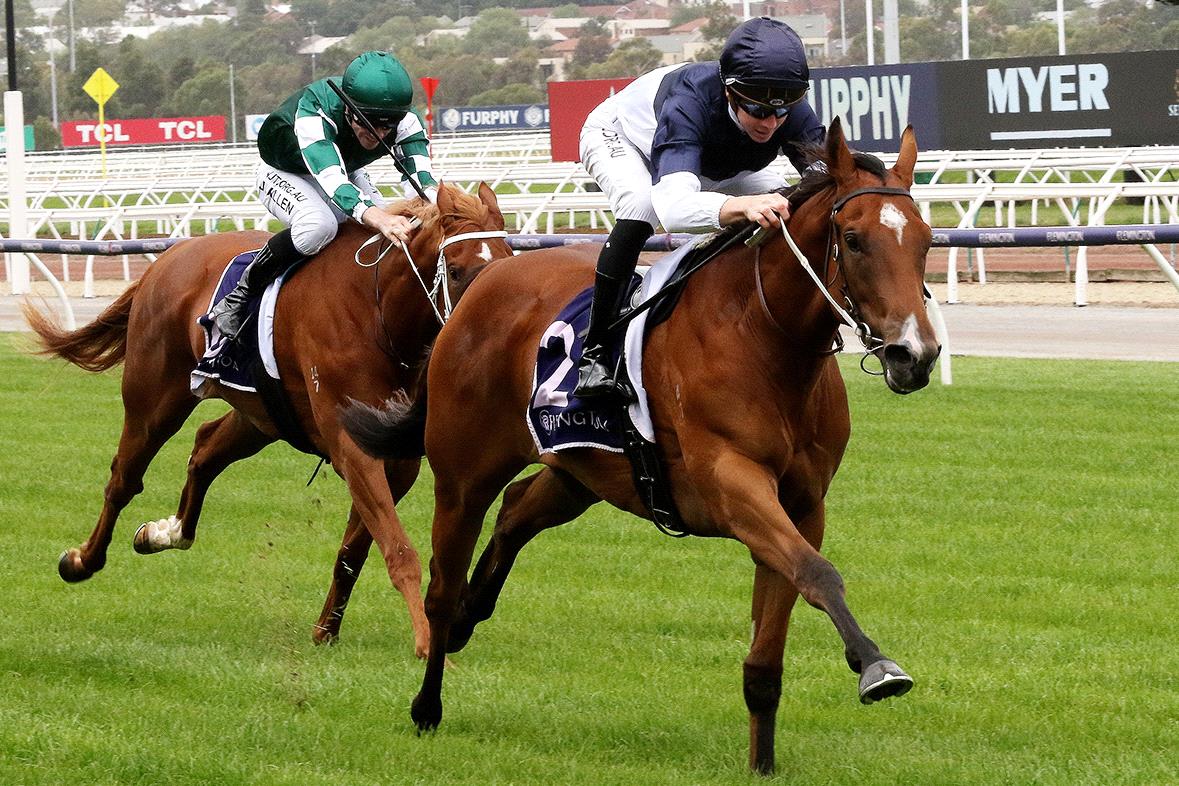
(178, 192)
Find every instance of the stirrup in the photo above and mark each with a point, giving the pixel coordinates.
(597, 380)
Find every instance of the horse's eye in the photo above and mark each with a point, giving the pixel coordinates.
(851, 242)
(454, 273)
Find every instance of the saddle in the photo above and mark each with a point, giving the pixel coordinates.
(558, 419)
(247, 363)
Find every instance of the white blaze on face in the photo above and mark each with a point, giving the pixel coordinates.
(485, 253)
(909, 336)
(894, 219)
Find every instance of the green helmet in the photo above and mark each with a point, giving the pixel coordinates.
(379, 85)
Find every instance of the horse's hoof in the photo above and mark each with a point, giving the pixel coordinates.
(426, 713)
(883, 679)
(324, 635)
(71, 568)
(156, 536)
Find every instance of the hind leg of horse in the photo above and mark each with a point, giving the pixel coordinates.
(148, 422)
(373, 501)
(545, 499)
(461, 498)
(353, 553)
(742, 493)
(219, 443)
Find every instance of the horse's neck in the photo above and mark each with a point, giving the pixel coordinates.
(800, 317)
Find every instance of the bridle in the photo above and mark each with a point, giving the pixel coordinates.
(850, 315)
(441, 280)
(441, 285)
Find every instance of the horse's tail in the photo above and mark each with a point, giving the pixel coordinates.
(98, 346)
(395, 430)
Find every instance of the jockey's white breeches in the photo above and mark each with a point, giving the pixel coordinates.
(299, 202)
(618, 167)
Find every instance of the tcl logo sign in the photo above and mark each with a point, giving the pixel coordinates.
(146, 131)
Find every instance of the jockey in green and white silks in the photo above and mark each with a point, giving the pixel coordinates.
(312, 175)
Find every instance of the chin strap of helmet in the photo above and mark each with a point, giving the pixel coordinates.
(364, 121)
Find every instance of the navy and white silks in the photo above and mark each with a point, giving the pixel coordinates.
(667, 149)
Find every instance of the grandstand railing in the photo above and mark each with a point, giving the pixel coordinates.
(179, 192)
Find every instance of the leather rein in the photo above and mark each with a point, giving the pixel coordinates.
(850, 315)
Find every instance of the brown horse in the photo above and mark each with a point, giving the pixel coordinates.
(750, 415)
(341, 329)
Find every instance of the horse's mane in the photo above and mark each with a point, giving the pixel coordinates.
(817, 178)
(814, 180)
(466, 207)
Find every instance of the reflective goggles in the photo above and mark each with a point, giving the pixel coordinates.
(779, 109)
(382, 122)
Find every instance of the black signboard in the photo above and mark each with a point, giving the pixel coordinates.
(1097, 100)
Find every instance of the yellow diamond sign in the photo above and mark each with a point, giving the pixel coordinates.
(100, 86)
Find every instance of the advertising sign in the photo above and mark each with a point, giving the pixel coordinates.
(569, 104)
(516, 117)
(877, 102)
(1111, 100)
(29, 141)
(144, 131)
(253, 126)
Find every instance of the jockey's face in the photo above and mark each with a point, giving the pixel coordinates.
(366, 139)
(760, 129)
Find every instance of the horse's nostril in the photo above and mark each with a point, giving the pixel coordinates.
(899, 355)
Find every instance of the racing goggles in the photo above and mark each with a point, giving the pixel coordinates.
(383, 121)
(770, 102)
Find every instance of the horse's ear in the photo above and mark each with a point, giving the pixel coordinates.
(445, 200)
(487, 197)
(841, 165)
(907, 158)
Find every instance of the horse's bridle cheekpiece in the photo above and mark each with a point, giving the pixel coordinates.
(849, 315)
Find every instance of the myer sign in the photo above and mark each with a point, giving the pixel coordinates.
(1076, 100)
(493, 118)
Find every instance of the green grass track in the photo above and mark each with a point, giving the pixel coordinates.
(1012, 541)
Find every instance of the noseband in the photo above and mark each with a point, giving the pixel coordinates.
(851, 315)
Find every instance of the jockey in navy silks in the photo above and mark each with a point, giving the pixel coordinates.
(689, 146)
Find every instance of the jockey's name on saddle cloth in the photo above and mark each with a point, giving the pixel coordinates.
(557, 418)
(230, 362)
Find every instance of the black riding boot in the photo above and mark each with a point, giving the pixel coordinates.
(616, 263)
(277, 255)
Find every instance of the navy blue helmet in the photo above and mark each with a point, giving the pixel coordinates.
(764, 62)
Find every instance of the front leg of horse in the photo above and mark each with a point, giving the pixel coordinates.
(744, 493)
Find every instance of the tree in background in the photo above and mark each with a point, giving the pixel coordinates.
(496, 32)
(594, 45)
(632, 57)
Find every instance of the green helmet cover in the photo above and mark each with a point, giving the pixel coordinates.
(379, 85)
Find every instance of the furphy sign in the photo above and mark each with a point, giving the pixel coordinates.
(144, 131)
(1099, 99)
(876, 103)
(493, 118)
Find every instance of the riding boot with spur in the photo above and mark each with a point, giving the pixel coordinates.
(277, 255)
(616, 263)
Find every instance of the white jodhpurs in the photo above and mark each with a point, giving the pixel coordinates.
(618, 167)
(300, 203)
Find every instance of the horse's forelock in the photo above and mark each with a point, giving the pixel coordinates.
(818, 178)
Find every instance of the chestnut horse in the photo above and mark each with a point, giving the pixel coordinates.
(341, 329)
(750, 414)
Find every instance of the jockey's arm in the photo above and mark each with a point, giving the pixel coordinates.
(682, 205)
(413, 149)
(316, 136)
